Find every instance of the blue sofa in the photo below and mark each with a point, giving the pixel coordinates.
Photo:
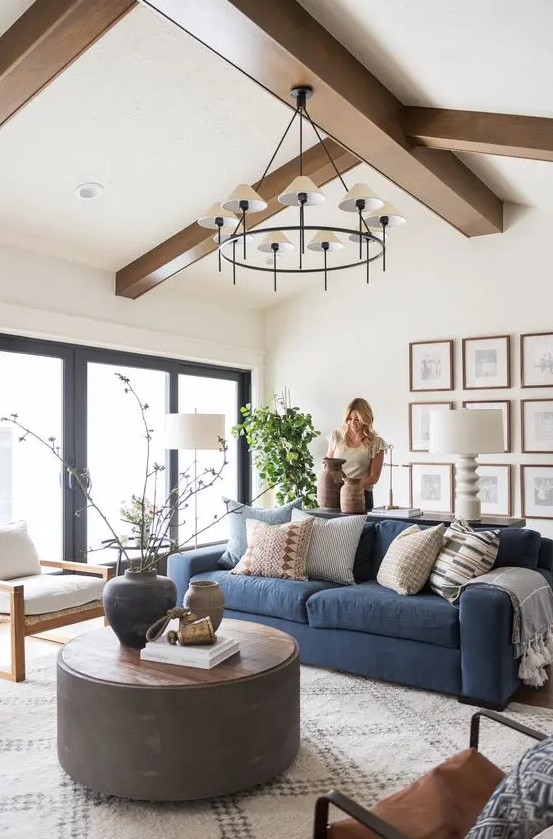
(421, 640)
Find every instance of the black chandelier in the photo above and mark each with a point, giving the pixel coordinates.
(231, 217)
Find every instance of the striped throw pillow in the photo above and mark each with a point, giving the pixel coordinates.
(333, 546)
(466, 553)
(410, 558)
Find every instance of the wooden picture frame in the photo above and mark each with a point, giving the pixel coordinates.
(431, 366)
(536, 426)
(536, 359)
(499, 500)
(425, 494)
(536, 490)
(418, 423)
(491, 404)
(487, 362)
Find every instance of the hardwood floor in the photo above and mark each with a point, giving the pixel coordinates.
(540, 697)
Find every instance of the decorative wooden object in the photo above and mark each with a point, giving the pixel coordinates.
(352, 496)
(330, 482)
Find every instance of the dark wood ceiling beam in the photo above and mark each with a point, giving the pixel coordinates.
(285, 47)
(48, 37)
(195, 242)
(472, 131)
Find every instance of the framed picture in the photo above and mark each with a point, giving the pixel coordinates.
(419, 423)
(501, 405)
(537, 491)
(486, 362)
(536, 359)
(495, 489)
(536, 424)
(431, 487)
(431, 365)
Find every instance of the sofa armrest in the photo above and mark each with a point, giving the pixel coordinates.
(182, 566)
(489, 670)
(106, 572)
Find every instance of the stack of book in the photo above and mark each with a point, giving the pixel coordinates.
(204, 656)
(397, 512)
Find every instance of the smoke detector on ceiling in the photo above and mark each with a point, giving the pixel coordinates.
(89, 190)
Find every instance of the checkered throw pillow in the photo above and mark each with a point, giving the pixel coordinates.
(410, 558)
(276, 550)
(466, 553)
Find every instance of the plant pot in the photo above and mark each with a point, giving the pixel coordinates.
(134, 602)
(205, 599)
(352, 496)
(329, 483)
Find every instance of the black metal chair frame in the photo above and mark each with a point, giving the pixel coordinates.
(381, 828)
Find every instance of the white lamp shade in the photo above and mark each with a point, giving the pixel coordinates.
(360, 192)
(466, 432)
(301, 184)
(244, 192)
(194, 431)
(276, 238)
(333, 242)
(390, 212)
(217, 211)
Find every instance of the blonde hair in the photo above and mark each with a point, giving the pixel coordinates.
(365, 411)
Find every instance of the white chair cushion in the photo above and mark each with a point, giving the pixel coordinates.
(52, 592)
(18, 556)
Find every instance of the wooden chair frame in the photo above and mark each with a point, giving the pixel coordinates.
(380, 827)
(19, 628)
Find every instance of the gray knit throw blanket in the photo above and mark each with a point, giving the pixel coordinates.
(532, 600)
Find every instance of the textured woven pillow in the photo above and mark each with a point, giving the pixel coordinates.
(276, 550)
(18, 556)
(466, 553)
(333, 547)
(239, 514)
(522, 805)
(410, 558)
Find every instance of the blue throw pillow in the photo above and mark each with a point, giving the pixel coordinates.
(518, 547)
(522, 805)
(240, 513)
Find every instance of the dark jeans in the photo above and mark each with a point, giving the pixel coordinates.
(369, 502)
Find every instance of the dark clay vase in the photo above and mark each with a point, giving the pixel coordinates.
(329, 483)
(352, 496)
(206, 600)
(134, 602)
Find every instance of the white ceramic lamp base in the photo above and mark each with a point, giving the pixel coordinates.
(467, 503)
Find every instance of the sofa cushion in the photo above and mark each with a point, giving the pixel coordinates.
(518, 547)
(363, 566)
(45, 593)
(284, 599)
(369, 607)
(18, 556)
(333, 547)
(384, 534)
(409, 559)
(238, 515)
(276, 550)
(466, 553)
(545, 556)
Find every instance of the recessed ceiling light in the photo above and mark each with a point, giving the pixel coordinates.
(89, 190)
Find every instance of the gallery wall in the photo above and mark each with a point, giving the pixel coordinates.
(353, 340)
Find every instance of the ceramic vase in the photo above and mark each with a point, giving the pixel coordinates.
(352, 496)
(330, 482)
(135, 601)
(205, 598)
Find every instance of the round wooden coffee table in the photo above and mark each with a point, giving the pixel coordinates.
(160, 732)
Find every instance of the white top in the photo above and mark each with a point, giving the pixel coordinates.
(358, 458)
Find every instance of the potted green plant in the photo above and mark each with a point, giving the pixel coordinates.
(278, 439)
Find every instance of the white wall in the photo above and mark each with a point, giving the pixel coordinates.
(353, 340)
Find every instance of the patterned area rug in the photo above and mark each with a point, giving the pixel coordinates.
(362, 737)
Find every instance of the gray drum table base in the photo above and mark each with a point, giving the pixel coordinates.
(150, 731)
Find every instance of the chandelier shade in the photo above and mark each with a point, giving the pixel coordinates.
(232, 219)
(360, 198)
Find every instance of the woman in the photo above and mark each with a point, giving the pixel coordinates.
(358, 443)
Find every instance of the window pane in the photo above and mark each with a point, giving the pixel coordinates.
(209, 396)
(30, 474)
(117, 446)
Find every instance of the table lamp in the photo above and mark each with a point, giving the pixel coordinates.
(466, 434)
(194, 432)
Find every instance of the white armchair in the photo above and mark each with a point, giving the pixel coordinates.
(32, 602)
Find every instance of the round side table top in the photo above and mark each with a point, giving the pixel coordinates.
(99, 656)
